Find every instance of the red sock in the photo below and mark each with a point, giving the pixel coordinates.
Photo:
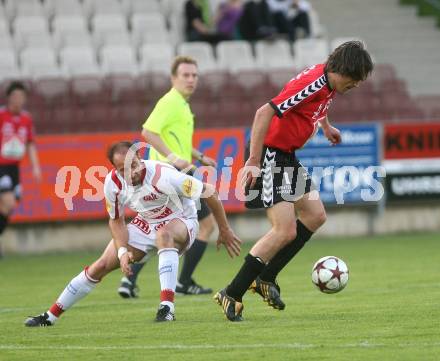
(56, 310)
(167, 295)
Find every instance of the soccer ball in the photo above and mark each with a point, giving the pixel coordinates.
(330, 274)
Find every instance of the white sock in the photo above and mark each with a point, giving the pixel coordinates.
(78, 288)
(168, 268)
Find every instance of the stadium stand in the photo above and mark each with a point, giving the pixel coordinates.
(108, 60)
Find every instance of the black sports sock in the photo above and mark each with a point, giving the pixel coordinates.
(4, 220)
(136, 269)
(284, 255)
(191, 260)
(251, 268)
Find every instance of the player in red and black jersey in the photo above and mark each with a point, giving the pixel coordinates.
(16, 139)
(285, 188)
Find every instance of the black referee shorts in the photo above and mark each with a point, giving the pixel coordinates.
(204, 210)
(282, 179)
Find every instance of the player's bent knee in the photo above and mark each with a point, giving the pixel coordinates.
(321, 218)
(100, 268)
(164, 239)
(285, 236)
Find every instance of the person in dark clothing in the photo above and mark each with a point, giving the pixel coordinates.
(196, 28)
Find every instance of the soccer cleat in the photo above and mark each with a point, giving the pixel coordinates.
(192, 289)
(231, 308)
(164, 314)
(38, 321)
(270, 292)
(127, 289)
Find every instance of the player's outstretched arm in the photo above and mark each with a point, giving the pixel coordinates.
(120, 238)
(226, 235)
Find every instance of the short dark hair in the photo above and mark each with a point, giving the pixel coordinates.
(117, 147)
(15, 85)
(181, 59)
(350, 59)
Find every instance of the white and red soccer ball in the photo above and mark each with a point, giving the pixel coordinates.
(330, 274)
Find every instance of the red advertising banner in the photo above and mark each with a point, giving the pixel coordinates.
(417, 140)
(79, 162)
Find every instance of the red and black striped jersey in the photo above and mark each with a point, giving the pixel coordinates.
(299, 107)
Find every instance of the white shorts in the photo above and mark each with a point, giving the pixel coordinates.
(142, 235)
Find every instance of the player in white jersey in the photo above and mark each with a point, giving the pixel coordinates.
(166, 221)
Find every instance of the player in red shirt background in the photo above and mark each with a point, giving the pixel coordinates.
(16, 139)
(285, 189)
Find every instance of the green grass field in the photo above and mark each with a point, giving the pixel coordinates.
(389, 310)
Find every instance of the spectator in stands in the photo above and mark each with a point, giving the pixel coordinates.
(227, 18)
(198, 27)
(256, 21)
(16, 138)
(289, 16)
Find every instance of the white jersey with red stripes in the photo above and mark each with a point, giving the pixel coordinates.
(163, 194)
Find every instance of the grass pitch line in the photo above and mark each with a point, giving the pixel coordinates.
(299, 346)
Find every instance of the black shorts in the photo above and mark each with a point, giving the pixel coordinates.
(10, 180)
(204, 210)
(282, 179)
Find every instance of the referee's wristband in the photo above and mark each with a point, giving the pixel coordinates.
(122, 251)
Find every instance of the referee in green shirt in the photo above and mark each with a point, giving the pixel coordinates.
(169, 130)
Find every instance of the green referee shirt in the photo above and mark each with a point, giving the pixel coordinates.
(173, 120)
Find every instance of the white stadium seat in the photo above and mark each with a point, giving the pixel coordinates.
(63, 7)
(34, 40)
(118, 60)
(32, 59)
(200, 51)
(273, 54)
(235, 56)
(308, 52)
(105, 23)
(73, 39)
(147, 26)
(75, 60)
(141, 6)
(156, 58)
(6, 42)
(69, 24)
(30, 24)
(103, 7)
(7, 58)
(14, 8)
(113, 38)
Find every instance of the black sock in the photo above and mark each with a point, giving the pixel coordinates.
(191, 260)
(136, 269)
(4, 220)
(284, 255)
(251, 268)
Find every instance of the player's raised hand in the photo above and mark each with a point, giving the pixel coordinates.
(231, 242)
(251, 171)
(333, 135)
(125, 261)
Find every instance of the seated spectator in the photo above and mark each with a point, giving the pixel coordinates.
(290, 15)
(197, 29)
(227, 18)
(256, 21)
